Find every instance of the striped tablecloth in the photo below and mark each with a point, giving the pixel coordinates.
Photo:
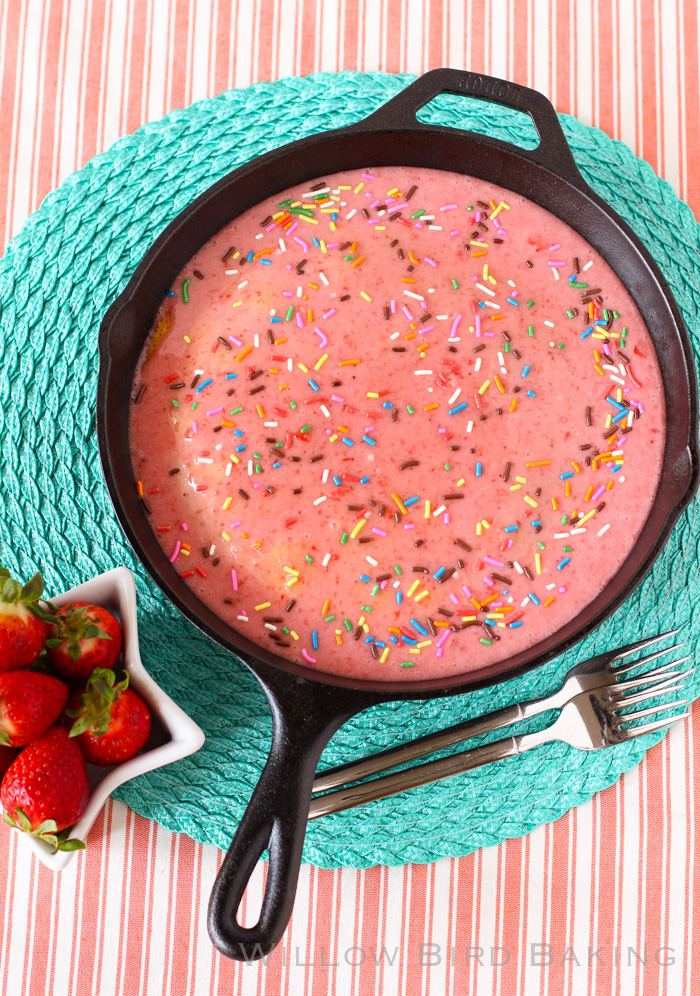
(606, 900)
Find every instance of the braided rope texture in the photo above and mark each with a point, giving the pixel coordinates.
(59, 275)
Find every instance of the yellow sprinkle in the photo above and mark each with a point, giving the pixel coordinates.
(184, 552)
(290, 570)
(425, 643)
(365, 295)
(539, 463)
(538, 563)
(608, 420)
(359, 187)
(293, 635)
(414, 587)
(587, 516)
(361, 621)
(494, 615)
(427, 508)
(233, 458)
(323, 246)
(467, 619)
(303, 368)
(356, 531)
(481, 245)
(496, 212)
(521, 480)
(242, 355)
(414, 650)
(484, 386)
(237, 304)
(226, 537)
(319, 363)
(530, 501)
(401, 505)
(263, 605)
(372, 394)
(311, 221)
(478, 529)
(365, 627)
(385, 654)
(423, 594)
(460, 482)
(500, 386)
(291, 581)
(515, 487)
(186, 338)
(333, 437)
(227, 503)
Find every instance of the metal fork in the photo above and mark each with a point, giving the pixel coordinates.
(589, 719)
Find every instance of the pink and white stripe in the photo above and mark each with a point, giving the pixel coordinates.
(616, 876)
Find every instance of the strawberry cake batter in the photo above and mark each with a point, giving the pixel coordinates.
(397, 423)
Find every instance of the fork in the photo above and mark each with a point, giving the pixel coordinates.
(590, 719)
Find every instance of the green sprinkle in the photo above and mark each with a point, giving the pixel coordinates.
(418, 213)
(257, 456)
(258, 468)
(578, 284)
(283, 204)
(616, 314)
(484, 640)
(293, 405)
(407, 664)
(329, 618)
(570, 313)
(470, 208)
(344, 538)
(348, 257)
(290, 313)
(455, 284)
(560, 346)
(506, 348)
(375, 590)
(448, 466)
(563, 520)
(185, 284)
(530, 330)
(235, 411)
(398, 570)
(348, 625)
(279, 444)
(529, 304)
(541, 546)
(567, 549)
(410, 409)
(194, 405)
(624, 331)
(308, 559)
(305, 428)
(174, 403)
(285, 630)
(366, 608)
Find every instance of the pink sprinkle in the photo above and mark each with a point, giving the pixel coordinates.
(477, 217)
(448, 207)
(418, 225)
(393, 307)
(477, 325)
(287, 293)
(383, 585)
(488, 581)
(306, 657)
(301, 242)
(176, 551)
(374, 221)
(443, 638)
(183, 526)
(234, 524)
(407, 313)
(455, 232)
(562, 590)
(293, 228)
(234, 580)
(510, 544)
(442, 430)
(334, 397)
(438, 652)
(300, 320)
(327, 314)
(474, 279)
(324, 337)
(502, 231)
(194, 428)
(455, 325)
(332, 245)
(454, 598)
(598, 493)
(369, 176)
(496, 563)
(429, 261)
(379, 532)
(488, 335)
(374, 203)
(446, 518)
(215, 411)
(428, 328)
(409, 525)
(271, 226)
(466, 591)
(551, 263)
(557, 246)
(235, 341)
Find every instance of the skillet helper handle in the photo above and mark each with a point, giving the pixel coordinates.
(275, 819)
(553, 151)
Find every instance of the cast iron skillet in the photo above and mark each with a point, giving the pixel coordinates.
(309, 706)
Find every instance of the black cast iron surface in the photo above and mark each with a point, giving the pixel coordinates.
(309, 706)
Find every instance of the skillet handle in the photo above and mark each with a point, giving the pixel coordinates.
(275, 819)
(553, 151)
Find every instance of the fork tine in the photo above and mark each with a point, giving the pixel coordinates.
(651, 676)
(652, 710)
(641, 644)
(640, 731)
(663, 688)
(645, 660)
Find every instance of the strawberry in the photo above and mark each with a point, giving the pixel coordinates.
(29, 704)
(83, 636)
(45, 790)
(22, 632)
(113, 722)
(7, 756)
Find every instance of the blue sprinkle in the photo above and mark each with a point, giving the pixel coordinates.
(417, 625)
(620, 408)
(514, 625)
(363, 577)
(250, 255)
(312, 383)
(481, 304)
(534, 598)
(334, 216)
(619, 416)
(170, 294)
(512, 300)
(438, 574)
(238, 432)
(386, 404)
(563, 563)
(459, 408)
(601, 321)
(364, 480)
(531, 394)
(317, 243)
(272, 320)
(266, 262)
(584, 335)
(614, 470)
(563, 477)
(231, 376)
(336, 480)
(407, 639)
(239, 449)
(368, 439)
(202, 386)
(314, 640)
(399, 598)
(369, 639)
(537, 523)
(572, 279)
(490, 622)
(348, 442)
(394, 639)
(526, 371)
(512, 529)
(411, 501)
(278, 464)
(378, 643)
(478, 470)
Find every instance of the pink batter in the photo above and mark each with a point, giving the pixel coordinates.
(399, 423)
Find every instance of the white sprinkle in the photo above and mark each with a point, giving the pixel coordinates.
(323, 277)
(204, 460)
(418, 297)
(212, 548)
(244, 284)
(618, 380)
(242, 618)
(199, 371)
(524, 601)
(477, 365)
(581, 529)
(486, 290)
(230, 273)
(299, 291)
(555, 271)
(517, 566)
(259, 236)
(435, 228)
(315, 193)
(283, 247)
(604, 529)
(511, 284)
(219, 446)
(503, 370)
(441, 318)
(324, 476)
(250, 468)
(394, 335)
(372, 561)
(588, 265)
(550, 586)
(326, 560)
(418, 373)
(290, 364)
(490, 304)
(431, 290)
(561, 536)
(500, 359)
(550, 325)
(325, 411)
(396, 584)
(270, 626)
(271, 425)
(319, 500)
(351, 214)
(256, 340)
(455, 396)
(439, 511)
(470, 425)
(229, 468)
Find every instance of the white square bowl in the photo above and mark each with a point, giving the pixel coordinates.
(116, 591)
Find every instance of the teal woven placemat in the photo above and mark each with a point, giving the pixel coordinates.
(69, 262)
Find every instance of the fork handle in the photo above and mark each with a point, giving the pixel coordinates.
(427, 744)
(432, 771)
